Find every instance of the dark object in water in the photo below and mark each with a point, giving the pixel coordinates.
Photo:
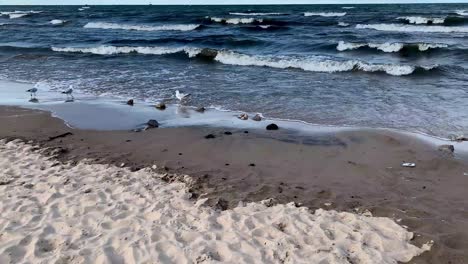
(227, 133)
(130, 102)
(272, 127)
(61, 136)
(160, 106)
(200, 109)
(152, 123)
(209, 136)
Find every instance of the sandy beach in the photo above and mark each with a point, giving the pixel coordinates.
(170, 195)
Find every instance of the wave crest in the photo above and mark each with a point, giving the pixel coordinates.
(325, 14)
(389, 47)
(413, 28)
(174, 27)
(423, 20)
(255, 14)
(235, 21)
(313, 64)
(57, 22)
(18, 14)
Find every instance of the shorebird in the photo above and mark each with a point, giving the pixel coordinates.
(69, 92)
(181, 96)
(32, 91)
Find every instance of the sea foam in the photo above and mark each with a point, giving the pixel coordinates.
(413, 28)
(235, 21)
(171, 27)
(255, 14)
(18, 14)
(423, 20)
(325, 14)
(388, 47)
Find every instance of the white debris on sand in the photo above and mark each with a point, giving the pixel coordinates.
(90, 213)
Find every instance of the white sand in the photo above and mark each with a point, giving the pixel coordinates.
(104, 214)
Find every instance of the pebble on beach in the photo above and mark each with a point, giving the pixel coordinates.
(200, 109)
(210, 136)
(244, 116)
(130, 102)
(257, 117)
(447, 148)
(160, 106)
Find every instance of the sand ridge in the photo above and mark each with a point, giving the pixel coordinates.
(97, 213)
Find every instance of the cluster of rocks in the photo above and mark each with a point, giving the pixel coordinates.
(245, 116)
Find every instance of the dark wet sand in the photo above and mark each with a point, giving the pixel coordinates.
(351, 170)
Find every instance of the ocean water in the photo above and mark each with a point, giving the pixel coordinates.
(391, 66)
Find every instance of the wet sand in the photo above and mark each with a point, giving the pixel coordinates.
(346, 171)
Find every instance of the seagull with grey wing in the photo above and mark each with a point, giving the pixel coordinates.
(69, 92)
(33, 91)
(181, 96)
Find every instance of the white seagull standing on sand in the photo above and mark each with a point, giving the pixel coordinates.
(69, 92)
(181, 96)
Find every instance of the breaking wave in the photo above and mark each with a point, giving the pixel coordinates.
(18, 14)
(390, 47)
(462, 12)
(324, 14)
(175, 27)
(57, 22)
(423, 20)
(235, 21)
(313, 64)
(413, 28)
(255, 14)
(343, 24)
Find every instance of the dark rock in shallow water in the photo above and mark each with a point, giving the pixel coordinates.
(209, 136)
(447, 148)
(272, 127)
(130, 102)
(244, 116)
(200, 109)
(208, 54)
(257, 117)
(222, 204)
(227, 133)
(160, 106)
(152, 123)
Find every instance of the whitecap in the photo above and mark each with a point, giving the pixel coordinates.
(325, 14)
(255, 14)
(413, 28)
(235, 21)
(169, 27)
(423, 20)
(57, 22)
(348, 7)
(18, 14)
(387, 46)
(112, 50)
(343, 24)
(462, 12)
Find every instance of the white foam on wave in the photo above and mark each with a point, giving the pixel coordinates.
(387, 47)
(18, 14)
(325, 14)
(462, 12)
(255, 14)
(115, 214)
(413, 28)
(348, 7)
(313, 64)
(423, 20)
(57, 22)
(174, 27)
(343, 24)
(235, 21)
(112, 50)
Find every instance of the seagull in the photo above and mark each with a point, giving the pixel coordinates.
(69, 92)
(32, 91)
(181, 96)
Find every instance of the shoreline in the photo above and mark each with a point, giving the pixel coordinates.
(107, 110)
(318, 171)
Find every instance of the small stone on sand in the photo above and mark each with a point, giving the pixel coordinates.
(130, 102)
(272, 127)
(244, 116)
(160, 106)
(210, 136)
